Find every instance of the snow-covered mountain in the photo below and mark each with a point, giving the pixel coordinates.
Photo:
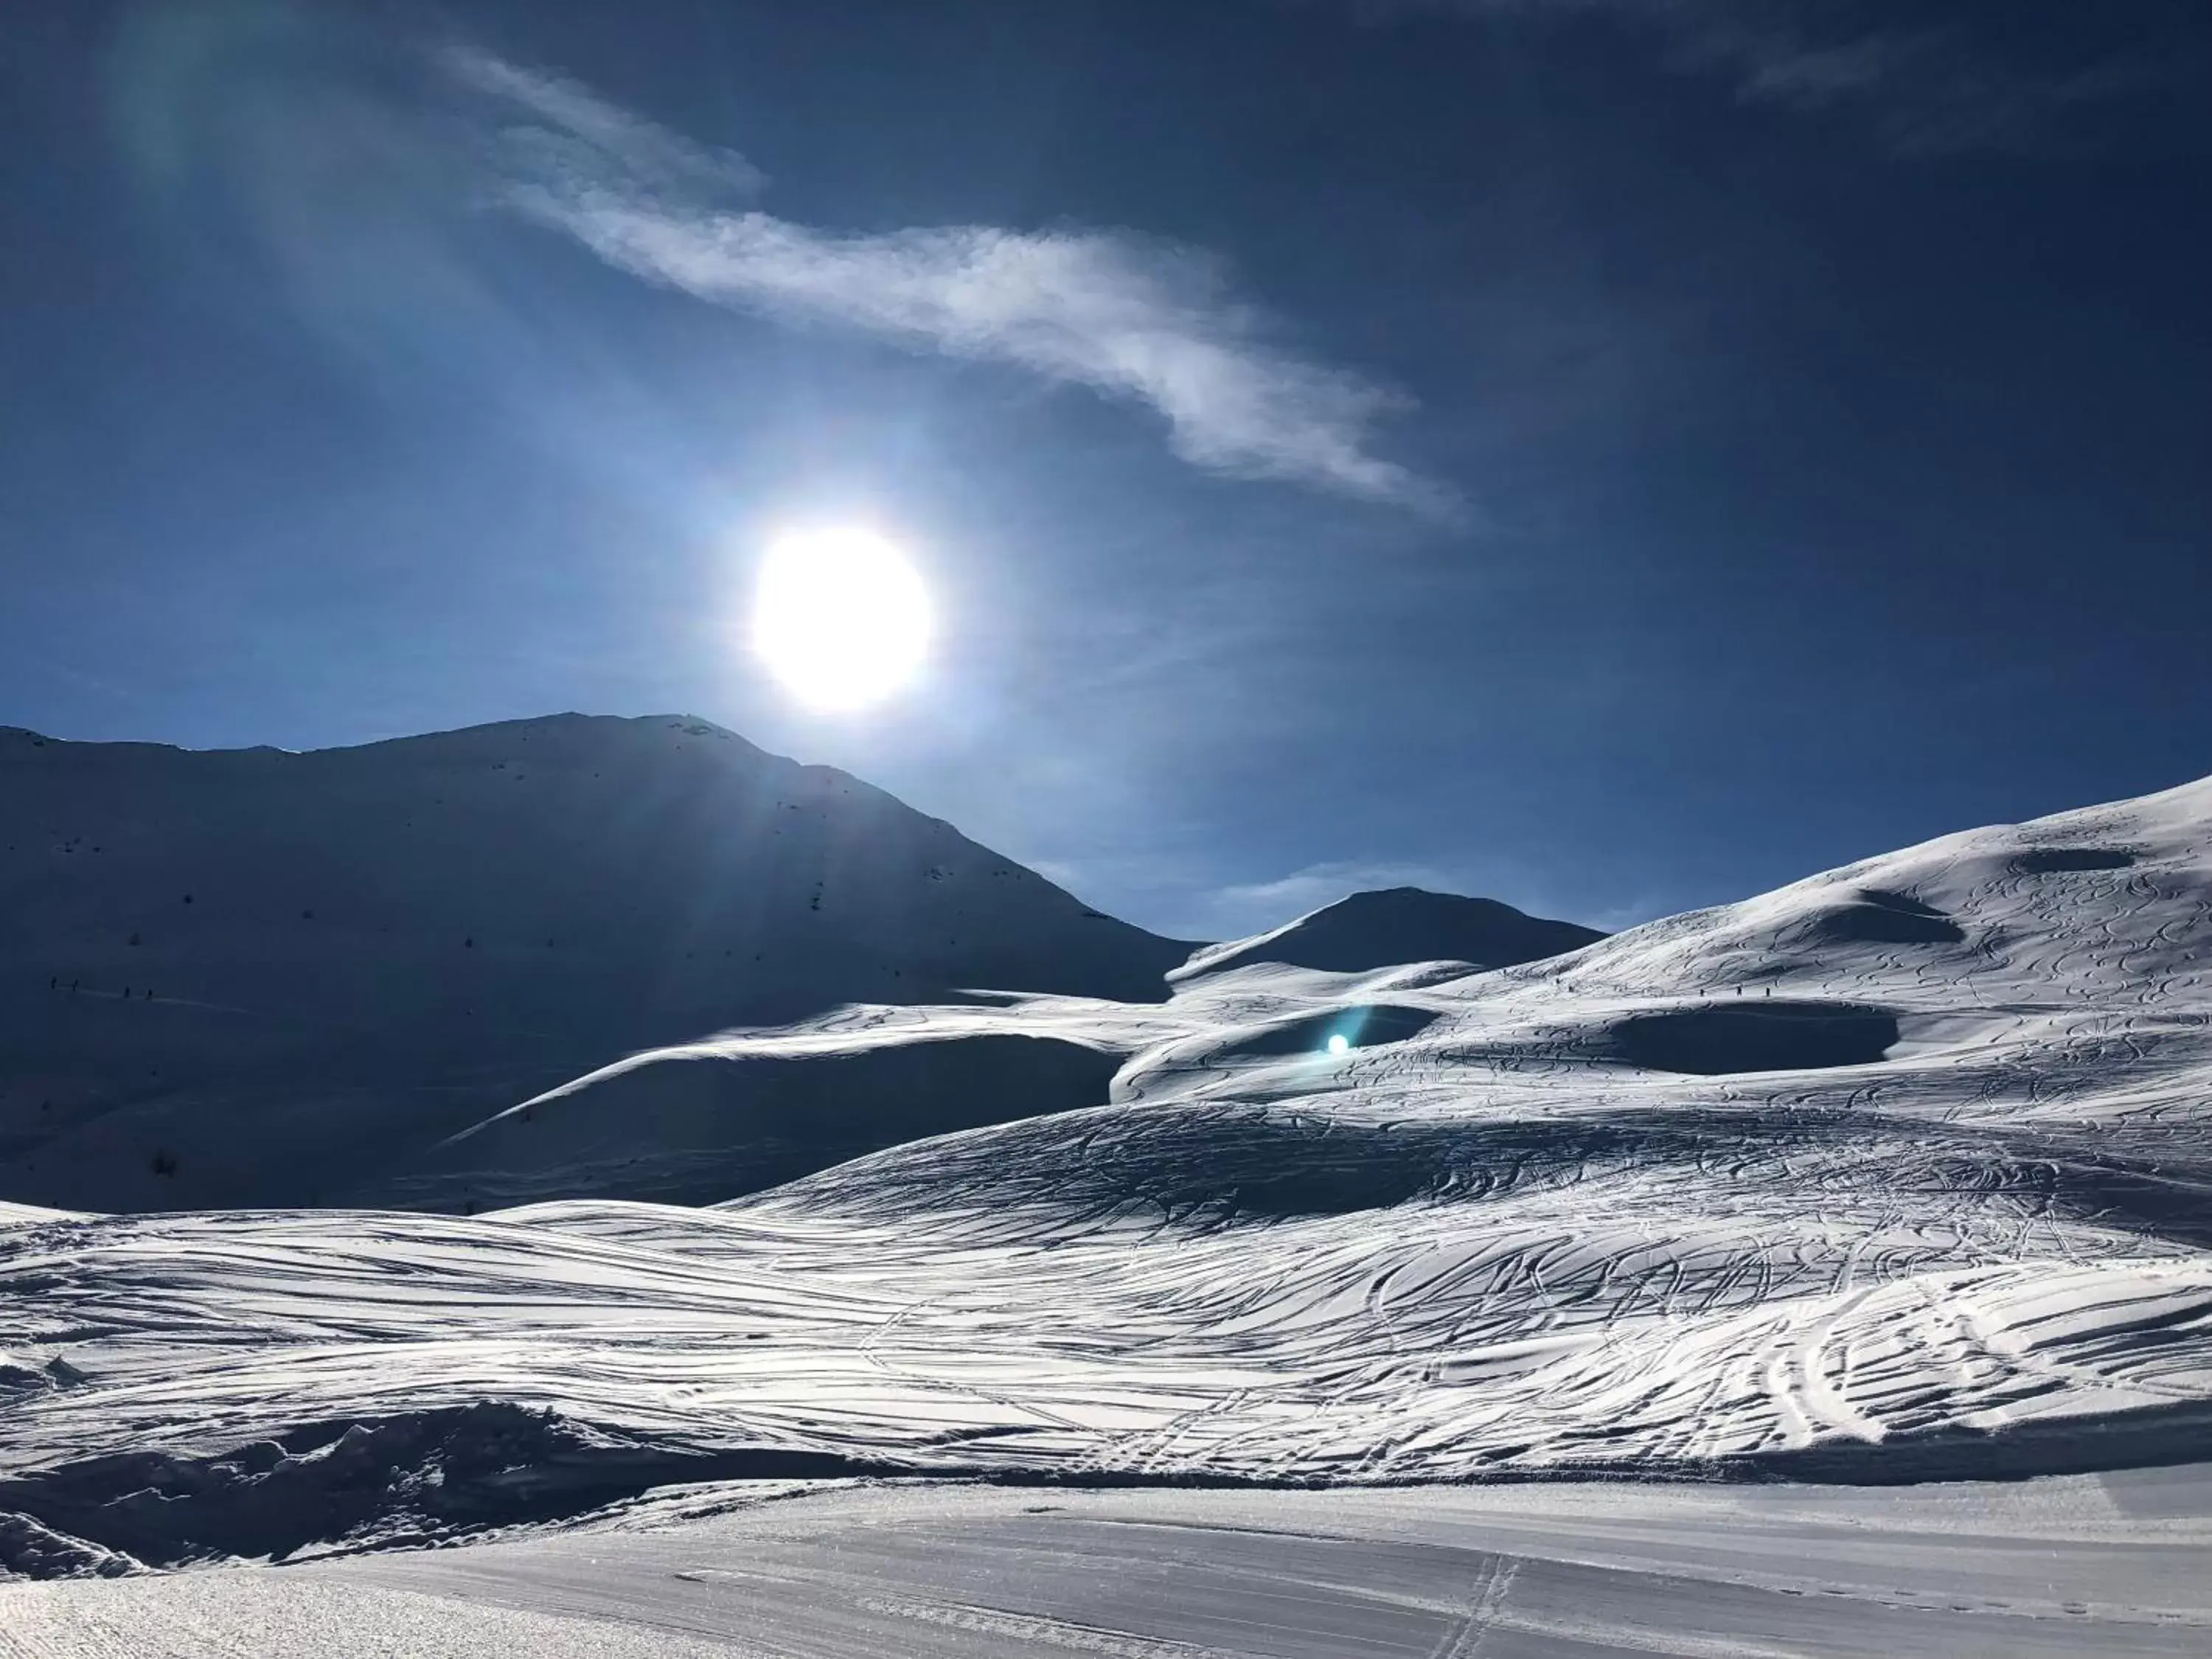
(1393, 925)
(1902, 1171)
(257, 976)
(697, 1122)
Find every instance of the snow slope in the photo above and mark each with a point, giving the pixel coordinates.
(1899, 1171)
(260, 977)
(696, 1121)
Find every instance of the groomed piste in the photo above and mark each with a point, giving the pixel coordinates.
(1902, 1172)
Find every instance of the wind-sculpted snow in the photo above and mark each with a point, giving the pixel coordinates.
(1903, 1170)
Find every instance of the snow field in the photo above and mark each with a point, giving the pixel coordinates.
(1567, 1216)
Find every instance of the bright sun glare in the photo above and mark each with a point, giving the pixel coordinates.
(840, 617)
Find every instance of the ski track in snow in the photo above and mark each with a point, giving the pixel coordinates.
(1506, 1242)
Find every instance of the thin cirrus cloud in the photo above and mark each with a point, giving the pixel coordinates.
(1111, 313)
(1922, 87)
(578, 135)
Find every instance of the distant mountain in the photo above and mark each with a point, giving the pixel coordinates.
(255, 976)
(1397, 925)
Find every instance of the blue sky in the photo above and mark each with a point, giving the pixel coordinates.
(1611, 456)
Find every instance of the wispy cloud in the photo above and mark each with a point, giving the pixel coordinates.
(1128, 318)
(586, 138)
(1921, 87)
(1922, 90)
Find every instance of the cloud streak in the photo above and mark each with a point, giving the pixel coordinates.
(583, 136)
(1123, 317)
(1921, 88)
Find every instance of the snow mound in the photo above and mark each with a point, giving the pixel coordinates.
(1379, 929)
(30, 1550)
(1745, 1192)
(409, 1480)
(702, 1122)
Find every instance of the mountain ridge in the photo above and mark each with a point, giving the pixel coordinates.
(442, 924)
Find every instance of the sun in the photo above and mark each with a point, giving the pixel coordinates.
(840, 617)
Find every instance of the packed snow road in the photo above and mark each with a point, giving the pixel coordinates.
(2111, 1566)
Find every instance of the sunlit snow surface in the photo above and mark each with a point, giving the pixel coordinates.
(1571, 1216)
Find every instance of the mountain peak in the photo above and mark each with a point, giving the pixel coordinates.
(1382, 927)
